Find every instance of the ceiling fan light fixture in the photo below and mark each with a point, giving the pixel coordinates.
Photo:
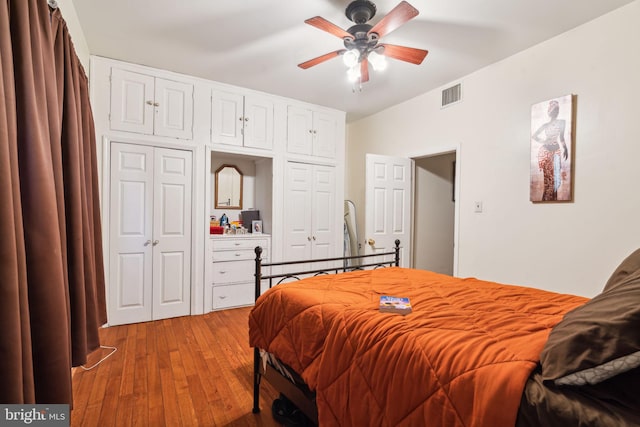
(377, 61)
(353, 73)
(350, 57)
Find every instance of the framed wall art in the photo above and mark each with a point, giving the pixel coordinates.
(552, 145)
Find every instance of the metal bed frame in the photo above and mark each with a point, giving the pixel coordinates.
(299, 393)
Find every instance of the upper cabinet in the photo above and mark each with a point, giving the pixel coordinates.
(242, 120)
(151, 105)
(310, 132)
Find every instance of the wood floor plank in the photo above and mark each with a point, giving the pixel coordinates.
(188, 371)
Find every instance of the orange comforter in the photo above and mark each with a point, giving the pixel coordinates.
(461, 358)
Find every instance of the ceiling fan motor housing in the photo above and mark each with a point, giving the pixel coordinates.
(360, 11)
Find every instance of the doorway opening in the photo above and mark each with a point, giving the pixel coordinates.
(434, 213)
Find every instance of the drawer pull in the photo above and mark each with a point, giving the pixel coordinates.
(222, 296)
(237, 254)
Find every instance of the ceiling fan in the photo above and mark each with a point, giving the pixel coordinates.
(361, 41)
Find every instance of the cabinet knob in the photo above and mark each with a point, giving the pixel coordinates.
(314, 238)
(155, 242)
(246, 119)
(149, 102)
(147, 243)
(309, 238)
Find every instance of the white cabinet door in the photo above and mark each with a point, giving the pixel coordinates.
(310, 211)
(152, 106)
(132, 101)
(173, 109)
(311, 133)
(227, 118)
(242, 120)
(150, 233)
(299, 130)
(324, 135)
(258, 122)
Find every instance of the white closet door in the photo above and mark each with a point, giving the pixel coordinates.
(323, 208)
(131, 217)
(172, 233)
(298, 203)
(150, 233)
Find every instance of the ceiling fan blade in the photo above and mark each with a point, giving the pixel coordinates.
(364, 70)
(321, 59)
(324, 25)
(399, 15)
(403, 53)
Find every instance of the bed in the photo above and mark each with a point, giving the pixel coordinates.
(470, 353)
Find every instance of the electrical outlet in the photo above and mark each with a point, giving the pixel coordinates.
(477, 207)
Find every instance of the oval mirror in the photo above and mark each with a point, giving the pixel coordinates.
(228, 192)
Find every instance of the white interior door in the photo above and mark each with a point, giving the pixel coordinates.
(172, 233)
(131, 219)
(388, 205)
(150, 233)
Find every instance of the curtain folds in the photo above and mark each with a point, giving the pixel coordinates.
(51, 273)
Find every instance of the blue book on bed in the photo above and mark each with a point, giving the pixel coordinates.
(398, 305)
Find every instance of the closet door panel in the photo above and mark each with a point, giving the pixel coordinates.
(131, 218)
(172, 233)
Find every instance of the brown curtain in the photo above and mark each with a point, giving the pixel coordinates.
(51, 273)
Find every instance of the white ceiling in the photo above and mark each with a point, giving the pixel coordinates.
(257, 44)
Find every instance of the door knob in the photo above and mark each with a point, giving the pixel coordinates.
(155, 242)
(371, 242)
(147, 243)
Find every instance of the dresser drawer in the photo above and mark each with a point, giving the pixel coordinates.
(233, 295)
(236, 255)
(237, 243)
(231, 272)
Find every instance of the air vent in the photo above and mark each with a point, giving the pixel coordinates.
(452, 95)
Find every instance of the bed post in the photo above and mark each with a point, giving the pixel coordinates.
(256, 352)
(397, 252)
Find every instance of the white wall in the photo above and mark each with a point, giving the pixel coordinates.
(70, 16)
(566, 247)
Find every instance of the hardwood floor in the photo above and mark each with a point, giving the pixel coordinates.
(186, 371)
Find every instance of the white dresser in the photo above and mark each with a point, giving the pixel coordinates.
(233, 268)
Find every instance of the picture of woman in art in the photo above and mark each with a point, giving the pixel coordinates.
(552, 157)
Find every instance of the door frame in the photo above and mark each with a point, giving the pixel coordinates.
(436, 151)
(197, 213)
